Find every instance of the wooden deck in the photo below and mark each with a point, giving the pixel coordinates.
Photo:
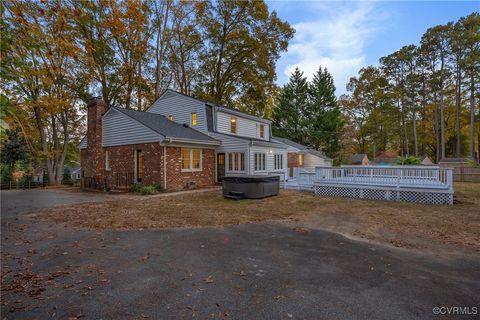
(397, 183)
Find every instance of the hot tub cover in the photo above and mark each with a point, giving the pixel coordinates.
(251, 179)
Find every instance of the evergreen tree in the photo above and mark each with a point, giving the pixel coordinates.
(289, 114)
(324, 120)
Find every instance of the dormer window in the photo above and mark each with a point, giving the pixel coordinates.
(170, 117)
(193, 120)
(233, 125)
(262, 131)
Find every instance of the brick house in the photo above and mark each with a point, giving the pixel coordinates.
(182, 142)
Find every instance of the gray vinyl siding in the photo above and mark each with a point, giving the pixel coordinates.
(245, 127)
(311, 160)
(269, 160)
(83, 143)
(181, 108)
(232, 144)
(119, 129)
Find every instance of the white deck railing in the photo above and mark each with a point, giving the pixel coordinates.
(401, 176)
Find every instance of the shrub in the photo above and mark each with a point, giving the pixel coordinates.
(409, 161)
(145, 189)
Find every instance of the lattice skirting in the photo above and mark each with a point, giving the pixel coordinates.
(364, 192)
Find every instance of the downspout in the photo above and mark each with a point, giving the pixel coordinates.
(165, 167)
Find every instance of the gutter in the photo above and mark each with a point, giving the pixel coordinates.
(170, 140)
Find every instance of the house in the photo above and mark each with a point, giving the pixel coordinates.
(385, 158)
(300, 156)
(75, 174)
(360, 159)
(427, 161)
(180, 142)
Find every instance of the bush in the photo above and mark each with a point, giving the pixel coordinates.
(409, 161)
(145, 189)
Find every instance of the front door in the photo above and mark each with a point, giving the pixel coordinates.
(220, 166)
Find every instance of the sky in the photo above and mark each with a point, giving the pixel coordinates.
(345, 36)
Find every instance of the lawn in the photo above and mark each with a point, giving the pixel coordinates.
(399, 224)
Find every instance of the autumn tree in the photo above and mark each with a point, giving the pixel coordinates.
(242, 40)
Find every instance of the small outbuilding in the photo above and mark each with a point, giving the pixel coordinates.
(360, 159)
(427, 161)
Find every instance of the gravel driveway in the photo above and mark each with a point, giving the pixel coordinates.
(250, 271)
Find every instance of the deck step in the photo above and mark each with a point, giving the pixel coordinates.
(235, 195)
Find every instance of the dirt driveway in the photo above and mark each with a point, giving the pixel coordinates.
(249, 271)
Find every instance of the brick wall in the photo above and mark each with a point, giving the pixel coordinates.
(178, 180)
(91, 158)
(122, 164)
(292, 160)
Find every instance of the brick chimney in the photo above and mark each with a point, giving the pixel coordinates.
(94, 166)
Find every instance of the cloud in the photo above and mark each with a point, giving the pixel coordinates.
(336, 39)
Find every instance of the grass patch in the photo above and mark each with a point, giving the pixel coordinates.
(393, 222)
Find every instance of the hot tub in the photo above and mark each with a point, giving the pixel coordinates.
(250, 186)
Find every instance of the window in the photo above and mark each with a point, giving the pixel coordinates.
(233, 125)
(278, 161)
(236, 161)
(139, 165)
(107, 161)
(194, 119)
(170, 117)
(262, 131)
(300, 160)
(191, 160)
(260, 161)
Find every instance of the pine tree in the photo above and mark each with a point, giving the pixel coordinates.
(323, 118)
(289, 114)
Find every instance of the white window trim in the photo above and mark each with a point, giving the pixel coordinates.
(255, 164)
(191, 169)
(280, 156)
(236, 163)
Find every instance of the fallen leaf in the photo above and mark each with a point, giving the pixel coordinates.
(209, 279)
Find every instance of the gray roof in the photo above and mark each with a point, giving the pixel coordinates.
(165, 127)
(317, 153)
(291, 143)
(255, 141)
(220, 107)
(303, 148)
(358, 157)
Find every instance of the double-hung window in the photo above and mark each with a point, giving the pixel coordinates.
(236, 161)
(233, 125)
(262, 131)
(191, 159)
(193, 119)
(260, 162)
(300, 160)
(278, 161)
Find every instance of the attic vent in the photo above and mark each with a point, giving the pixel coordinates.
(186, 125)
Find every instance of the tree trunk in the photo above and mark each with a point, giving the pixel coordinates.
(43, 141)
(472, 118)
(415, 136)
(435, 126)
(442, 114)
(457, 111)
